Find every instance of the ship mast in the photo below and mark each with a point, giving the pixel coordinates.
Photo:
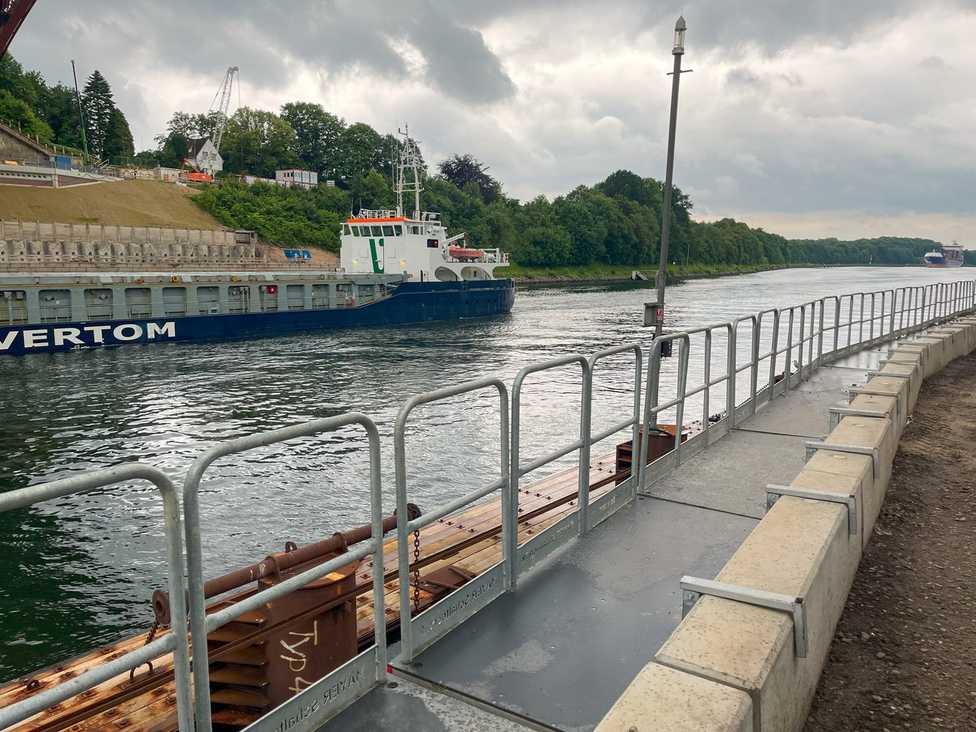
(408, 162)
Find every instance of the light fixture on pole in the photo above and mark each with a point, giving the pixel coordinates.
(654, 312)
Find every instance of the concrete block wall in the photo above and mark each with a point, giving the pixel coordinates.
(733, 666)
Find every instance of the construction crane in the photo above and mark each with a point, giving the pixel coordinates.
(12, 14)
(221, 109)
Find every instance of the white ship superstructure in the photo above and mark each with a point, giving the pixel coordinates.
(388, 241)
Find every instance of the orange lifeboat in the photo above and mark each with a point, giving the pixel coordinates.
(464, 254)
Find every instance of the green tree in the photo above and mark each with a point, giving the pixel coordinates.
(118, 144)
(361, 149)
(258, 142)
(98, 104)
(462, 170)
(19, 114)
(317, 135)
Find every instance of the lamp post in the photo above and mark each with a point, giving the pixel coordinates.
(662, 271)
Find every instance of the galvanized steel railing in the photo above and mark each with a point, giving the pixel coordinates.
(341, 687)
(802, 338)
(790, 341)
(417, 633)
(175, 642)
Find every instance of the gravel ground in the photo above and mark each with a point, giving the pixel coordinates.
(904, 657)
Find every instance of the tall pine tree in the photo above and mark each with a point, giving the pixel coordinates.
(98, 112)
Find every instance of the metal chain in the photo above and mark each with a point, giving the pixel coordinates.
(149, 639)
(416, 570)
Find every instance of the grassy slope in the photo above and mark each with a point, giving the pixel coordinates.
(130, 203)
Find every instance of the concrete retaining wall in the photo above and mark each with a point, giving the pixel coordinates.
(734, 666)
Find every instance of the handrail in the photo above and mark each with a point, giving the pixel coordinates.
(408, 646)
(176, 641)
(201, 624)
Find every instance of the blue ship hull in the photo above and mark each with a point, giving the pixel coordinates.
(412, 302)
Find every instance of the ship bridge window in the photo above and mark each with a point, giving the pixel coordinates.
(416, 230)
(13, 306)
(98, 303)
(387, 231)
(355, 231)
(398, 229)
(345, 229)
(377, 230)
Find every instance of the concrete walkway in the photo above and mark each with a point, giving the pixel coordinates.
(557, 652)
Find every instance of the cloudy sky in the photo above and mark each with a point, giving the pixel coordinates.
(812, 118)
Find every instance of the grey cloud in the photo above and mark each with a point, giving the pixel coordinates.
(264, 38)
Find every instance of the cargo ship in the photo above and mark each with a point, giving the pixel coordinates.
(396, 269)
(949, 255)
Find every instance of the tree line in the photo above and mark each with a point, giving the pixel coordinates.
(616, 221)
(51, 114)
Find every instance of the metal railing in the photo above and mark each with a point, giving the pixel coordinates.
(417, 633)
(175, 642)
(351, 680)
(801, 338)
(793, 341)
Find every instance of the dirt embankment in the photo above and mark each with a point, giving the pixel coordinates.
(127, 203)
(904, 657)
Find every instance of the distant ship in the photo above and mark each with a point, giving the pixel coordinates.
(396, 269)
(949, 255)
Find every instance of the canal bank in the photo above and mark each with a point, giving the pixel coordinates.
(904, 655)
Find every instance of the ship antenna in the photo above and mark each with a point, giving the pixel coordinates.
(408, 159)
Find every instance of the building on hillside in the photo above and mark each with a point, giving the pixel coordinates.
(167, 175)
(203, 156)
(18, 148)
(295, 178)
(252, 179)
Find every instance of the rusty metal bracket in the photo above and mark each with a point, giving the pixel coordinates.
(775, 492)
(871, 452)
(692, 588)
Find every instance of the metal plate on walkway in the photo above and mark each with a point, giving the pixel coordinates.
(732, 474)
(562, 648)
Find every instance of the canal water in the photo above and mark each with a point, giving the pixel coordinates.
(78, 572)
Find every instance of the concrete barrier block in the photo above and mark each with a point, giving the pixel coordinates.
(886, 405)
(888, 386)
(801, 547)
(875, 434)
(937, 350)
(914, 375)
(951, 339)
(693, 705)
(860, 486)
(963, 336)
(929, 365)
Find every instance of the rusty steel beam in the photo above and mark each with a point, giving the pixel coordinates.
(275, 563)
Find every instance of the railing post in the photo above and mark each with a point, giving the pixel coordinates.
(731, 369)
(772, 353)
(583, 478)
